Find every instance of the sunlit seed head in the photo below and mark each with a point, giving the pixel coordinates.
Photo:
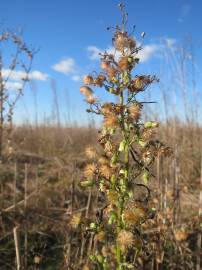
(124, 63)
(111, 121)
(88, 79)
(86, 91)
(90, 170)
(125, 239)
(111, 72)
(106, 171)
(100, 236)
(105, 65)
(122, 41)
(133, 215)
(91, 152)
(135, 110)
(103, 160)
(91, 99)
(106, 108)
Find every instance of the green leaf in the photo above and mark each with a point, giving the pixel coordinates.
(112, 218)
(87, 183)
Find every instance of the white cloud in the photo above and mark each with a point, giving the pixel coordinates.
(13, 85)
(65, 66)
(19, 75)
(147, 52)
(37, 75)
(94, 52)
(76, 78)
(170, 42)
(184, 12)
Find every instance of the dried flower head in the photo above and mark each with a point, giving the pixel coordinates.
(147, 134)
(135, 110)
(106, 171)
(99, 80)
(180, 235)
(125, 239)
(111, 121)
(105, 65)
(111, 72)
(134, 215)
(106, 108)
(139, 83)
(100, 236)
(90, 170)
(91, 152)
(103, 160)
(86, 91)
(122, 41)
(125, 63)
(88, 79)
(91, 99)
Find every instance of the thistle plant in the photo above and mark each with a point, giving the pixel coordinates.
(121, 168)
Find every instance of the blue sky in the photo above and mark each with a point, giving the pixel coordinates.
(69, 33)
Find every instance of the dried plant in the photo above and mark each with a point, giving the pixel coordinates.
(14, 73)
(121, 168)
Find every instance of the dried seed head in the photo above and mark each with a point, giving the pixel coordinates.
(105, 65)
(106, 108)
(147, 134)
(91, 99)
(88, 79)
(133, 215)
(106, 171)
(180, 235)
(135, 110)
(125, 239)
(90, 170)
(86, 91)
(123, 41)
(90, 152)
(125, 63)
(100, 236)
(103, 160)
(111, 72)
(106, 251)
(111, 121)
(99, 80)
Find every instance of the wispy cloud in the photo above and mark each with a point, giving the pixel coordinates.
(13, 85)
(184, 12)
(170, 42)
(94, 52)
(145, 54)
(65, 66)
(68, 66)
(19, 75)
(76, 78)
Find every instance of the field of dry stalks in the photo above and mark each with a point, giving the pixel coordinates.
(40, 194)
